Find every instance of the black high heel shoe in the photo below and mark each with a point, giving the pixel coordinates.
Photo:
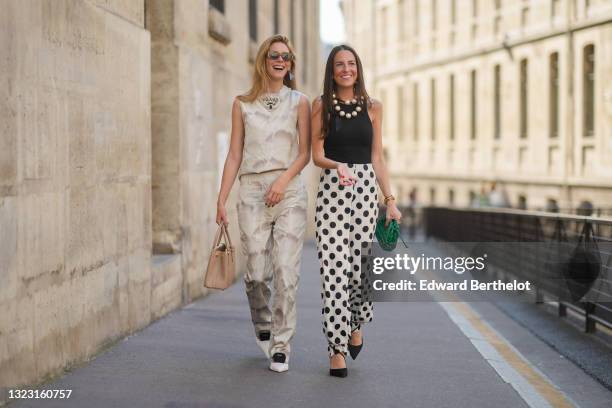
(354, 350)
(339, 372)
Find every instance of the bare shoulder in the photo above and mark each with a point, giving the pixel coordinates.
(237, 108)
(304, 101)
(316, 104)
(375, 109)
(376, 105)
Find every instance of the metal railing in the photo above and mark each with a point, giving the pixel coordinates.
(497, 225)
(598, 212)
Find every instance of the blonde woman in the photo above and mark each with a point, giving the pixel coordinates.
(269, 147)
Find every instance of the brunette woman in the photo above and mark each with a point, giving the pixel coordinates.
(347, 145)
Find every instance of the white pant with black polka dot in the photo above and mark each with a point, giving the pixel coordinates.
(345, 219)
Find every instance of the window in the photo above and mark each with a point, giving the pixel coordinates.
(400, 113)
(434, 22)
(451, 108)
(434, 15)
(552, 205)
(218, 4)
(524, 15)
(473, 104)
(433, 109)
(401, 23)
(415, 110)
(305, 26)
(553, 102)
(432, 195)
(383, 100)
(384, 26)
(588, 90)
(451, 197)
(522, 202)
(253, 20)
(474, 30)
(453, 21)
(498, 18)
(497, 102)
(417, 12)
(585, 208)
(523, 98)
(292, 20)
(473, 199)
(276, 18)
(554, 8)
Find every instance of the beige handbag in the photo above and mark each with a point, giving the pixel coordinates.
(221, 271)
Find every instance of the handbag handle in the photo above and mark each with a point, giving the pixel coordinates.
(226, 234)
(222, 233)
(218, 236)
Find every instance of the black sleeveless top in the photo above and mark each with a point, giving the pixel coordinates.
(349, 140)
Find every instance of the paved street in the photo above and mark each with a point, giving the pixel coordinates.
(415, 355)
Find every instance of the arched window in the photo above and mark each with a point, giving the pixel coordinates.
(585, 208)
(552, 205)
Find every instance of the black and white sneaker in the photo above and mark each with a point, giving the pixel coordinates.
(278, 363)
(263, 341)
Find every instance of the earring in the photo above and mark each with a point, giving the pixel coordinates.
(290, 75)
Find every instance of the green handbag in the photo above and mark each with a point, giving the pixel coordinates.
(387, 236)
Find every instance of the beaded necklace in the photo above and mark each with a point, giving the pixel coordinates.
(347, 115)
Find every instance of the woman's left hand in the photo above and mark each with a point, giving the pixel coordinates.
(392, 213)
(276, 192)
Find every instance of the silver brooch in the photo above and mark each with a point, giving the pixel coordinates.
(269, 101)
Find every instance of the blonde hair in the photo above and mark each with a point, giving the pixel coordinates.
(261, 78)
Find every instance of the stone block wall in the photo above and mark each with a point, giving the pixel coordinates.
(75, 184)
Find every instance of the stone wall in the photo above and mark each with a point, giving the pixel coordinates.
(75, 184)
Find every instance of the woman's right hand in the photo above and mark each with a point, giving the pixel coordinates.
(347, 178)
(221, 215)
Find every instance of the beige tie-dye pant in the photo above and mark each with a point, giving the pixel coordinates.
(272, 239)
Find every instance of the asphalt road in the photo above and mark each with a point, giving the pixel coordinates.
(414, 355)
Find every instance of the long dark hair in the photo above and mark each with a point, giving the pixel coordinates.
(329, 86)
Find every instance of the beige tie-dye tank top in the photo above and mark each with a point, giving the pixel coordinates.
(270, 135)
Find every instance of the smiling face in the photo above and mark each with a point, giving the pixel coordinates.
(277, 68)
(345, 69)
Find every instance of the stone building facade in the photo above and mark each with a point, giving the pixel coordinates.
(476, 91)
(114, 124)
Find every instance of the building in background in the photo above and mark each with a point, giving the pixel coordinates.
(517, 92)
(115, 124)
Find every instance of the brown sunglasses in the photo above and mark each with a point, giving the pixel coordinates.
(286, 56)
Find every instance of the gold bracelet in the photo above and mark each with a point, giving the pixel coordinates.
(389, 198)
